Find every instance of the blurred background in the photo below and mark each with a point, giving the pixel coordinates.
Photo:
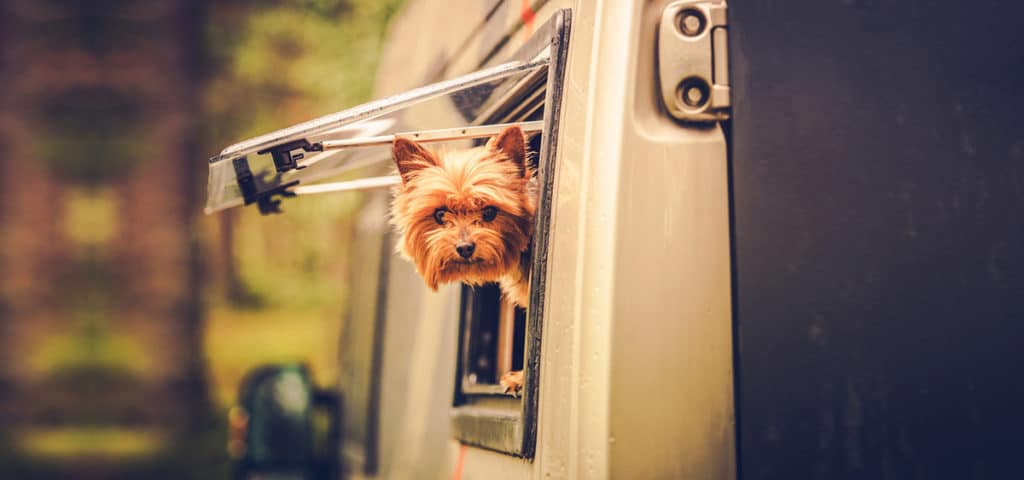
(128, 317)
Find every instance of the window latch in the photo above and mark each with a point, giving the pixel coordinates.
(693, 67)
(285, 156)
(257, 189)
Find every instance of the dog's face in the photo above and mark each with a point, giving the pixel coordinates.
(465, 215)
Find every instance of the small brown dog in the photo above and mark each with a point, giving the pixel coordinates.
(467, 216)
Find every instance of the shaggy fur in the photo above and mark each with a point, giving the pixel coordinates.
(443, 205)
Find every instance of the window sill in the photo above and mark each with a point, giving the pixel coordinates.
(490, 426)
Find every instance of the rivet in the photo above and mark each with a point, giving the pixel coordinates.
(691, 22)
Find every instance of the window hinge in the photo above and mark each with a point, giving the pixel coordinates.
(693, 67)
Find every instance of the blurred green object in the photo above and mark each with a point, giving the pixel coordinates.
(273, 430)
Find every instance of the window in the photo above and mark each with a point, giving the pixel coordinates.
(285, 162)
(494, 337)
(493, 340)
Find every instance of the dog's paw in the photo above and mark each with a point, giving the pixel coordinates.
(513, 382)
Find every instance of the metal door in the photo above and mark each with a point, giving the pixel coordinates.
(877, 158)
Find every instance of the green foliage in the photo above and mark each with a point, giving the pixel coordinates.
(93, 134)
(289, 61)
(272, 64)
(90, 342)
(97, 26)
(89, 345)
(277, 64)
(132, 452)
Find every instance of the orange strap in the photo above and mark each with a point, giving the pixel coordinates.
(457, 473)
(526, 14)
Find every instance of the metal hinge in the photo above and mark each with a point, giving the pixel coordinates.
(693, 67)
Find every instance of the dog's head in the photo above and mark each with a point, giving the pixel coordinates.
(464, 215)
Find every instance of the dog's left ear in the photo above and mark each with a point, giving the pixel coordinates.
(512, 143)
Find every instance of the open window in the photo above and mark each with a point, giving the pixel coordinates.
(495, 336)
(302, 159)
(350, 150)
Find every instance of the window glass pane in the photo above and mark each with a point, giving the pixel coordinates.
(462, 98)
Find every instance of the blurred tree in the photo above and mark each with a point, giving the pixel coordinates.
(31, 244)
(95, 133)
(109, 108)
(103, 325)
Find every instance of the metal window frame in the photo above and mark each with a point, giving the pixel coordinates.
(490, 419)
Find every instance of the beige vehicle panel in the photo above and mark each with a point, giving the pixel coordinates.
(636, 377)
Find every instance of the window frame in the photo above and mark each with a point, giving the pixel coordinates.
(483, 417)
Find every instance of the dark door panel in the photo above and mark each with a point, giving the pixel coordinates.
(878, 194)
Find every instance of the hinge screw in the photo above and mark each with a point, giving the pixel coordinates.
(693, 92)
(691, 22)
(694, 96)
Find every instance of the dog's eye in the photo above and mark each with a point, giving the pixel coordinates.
(490, 213)
(439, 215)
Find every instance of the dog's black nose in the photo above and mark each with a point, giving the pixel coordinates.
(465, 249)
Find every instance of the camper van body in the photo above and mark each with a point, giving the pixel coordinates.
(635, 372)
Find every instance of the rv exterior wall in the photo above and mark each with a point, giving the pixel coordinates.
(636, 379)
(636, 363)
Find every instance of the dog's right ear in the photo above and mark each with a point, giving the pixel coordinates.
(411, 157)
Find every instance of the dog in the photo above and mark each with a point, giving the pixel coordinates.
(467, 215)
